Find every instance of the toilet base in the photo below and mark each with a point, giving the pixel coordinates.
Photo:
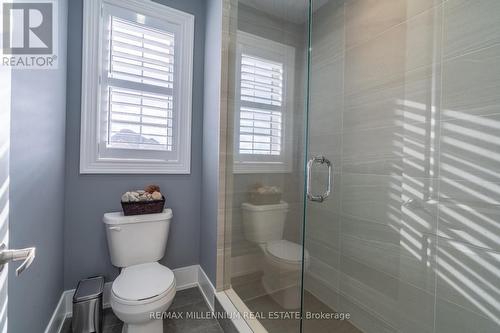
(153, 326)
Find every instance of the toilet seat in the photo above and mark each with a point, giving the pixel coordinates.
(286, 251)
(143, 283)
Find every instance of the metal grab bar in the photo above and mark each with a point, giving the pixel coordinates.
(326, 194)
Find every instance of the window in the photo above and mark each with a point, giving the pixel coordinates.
(136, 88)
(264, 99)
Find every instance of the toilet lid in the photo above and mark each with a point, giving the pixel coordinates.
(286, 251)
(143, 281)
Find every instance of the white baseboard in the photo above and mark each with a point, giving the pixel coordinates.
(185, 277)
(206, 287)
(57, 320)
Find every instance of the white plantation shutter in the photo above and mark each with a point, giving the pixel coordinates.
(139, 84)
(137, 74)
(261, 93)
(263, 125)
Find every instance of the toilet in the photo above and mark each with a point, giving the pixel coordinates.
(144, 286)
(264, 225)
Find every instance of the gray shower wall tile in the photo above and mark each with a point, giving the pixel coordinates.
(323, 287)
(470, 25)
(325, 112)
(401, 305)
(376, 151)
(326, 70)
(328, 145)
(323, 225)
(469, 211)
(326, 97)
(412, 107)
(375, 289)
(470, 193)
(322, 269)
(365, 19)
(452, 318)
(376, 107)
(422, 97)
(421, 149)
(416, 7)
(377, 62)
(413, 98)
(469, 276)
(423, 41)
(391, 200)
(327, 37)
(398, 251)
(367, 231)
(478, 226)
(471, 83)
(470, 148)
(323, 252)
(362, 317)
(395, 125)
(421, 118)
(395, 261)
(419, 209)
(372, 197)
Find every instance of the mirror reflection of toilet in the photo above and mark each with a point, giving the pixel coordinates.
(136, 244)
(264, 225)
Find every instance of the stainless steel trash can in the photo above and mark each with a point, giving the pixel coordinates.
(87, 306)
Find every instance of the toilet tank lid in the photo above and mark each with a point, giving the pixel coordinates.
(119, 218)
(262, 208)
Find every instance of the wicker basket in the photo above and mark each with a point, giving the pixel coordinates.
(143, 207)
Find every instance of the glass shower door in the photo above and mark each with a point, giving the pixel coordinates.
(404, 103)
(264, 184)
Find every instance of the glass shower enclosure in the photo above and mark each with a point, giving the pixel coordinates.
(363, 165)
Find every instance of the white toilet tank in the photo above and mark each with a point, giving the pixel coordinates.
(263, 223)
(137, 239)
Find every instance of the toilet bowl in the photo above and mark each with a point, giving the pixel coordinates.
(141, 292)
(145, 289)
(282, 272)
(282, 265)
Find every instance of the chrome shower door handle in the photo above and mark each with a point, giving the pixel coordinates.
(310, 164)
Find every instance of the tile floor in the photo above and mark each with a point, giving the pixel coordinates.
(252, 293)
(185, 301)
(250, 290)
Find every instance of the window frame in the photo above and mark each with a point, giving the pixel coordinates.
(92, 157)
(270, 50)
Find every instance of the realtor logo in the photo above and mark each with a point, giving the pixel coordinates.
(29, 34)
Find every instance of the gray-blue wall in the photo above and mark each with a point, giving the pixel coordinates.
(211, 130)
(37, 188)
(88, 197)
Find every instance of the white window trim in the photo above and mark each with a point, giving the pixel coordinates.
(250, 41)
(90, 162)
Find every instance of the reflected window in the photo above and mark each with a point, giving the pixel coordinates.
(264, 98)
